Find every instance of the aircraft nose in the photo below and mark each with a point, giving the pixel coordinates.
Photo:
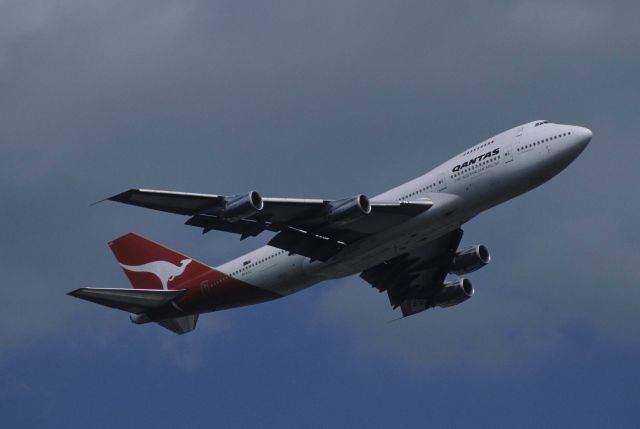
(584, 135)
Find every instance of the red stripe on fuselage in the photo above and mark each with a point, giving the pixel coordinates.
(213, 291)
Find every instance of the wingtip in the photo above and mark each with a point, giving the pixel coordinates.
(121, 197)
(75, 293)
(98, 202)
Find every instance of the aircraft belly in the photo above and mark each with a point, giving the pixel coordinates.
(283, 277)
(292, 273)
(213, 292)
(402, 244)
(447, 214)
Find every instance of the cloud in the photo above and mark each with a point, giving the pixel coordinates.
(310, 100)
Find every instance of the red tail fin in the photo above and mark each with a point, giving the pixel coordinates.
(149, 265)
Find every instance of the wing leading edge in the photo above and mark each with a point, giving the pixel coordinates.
(314, 228)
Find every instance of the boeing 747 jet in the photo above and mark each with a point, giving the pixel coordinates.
(405, 241)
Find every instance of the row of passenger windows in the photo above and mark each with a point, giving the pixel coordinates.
(246, 266)
(474, 167)
(425, 189)
(530, 145)
(477, 148)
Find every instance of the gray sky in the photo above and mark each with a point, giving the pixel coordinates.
(310, 99)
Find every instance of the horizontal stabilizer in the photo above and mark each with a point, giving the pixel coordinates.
(135, 301)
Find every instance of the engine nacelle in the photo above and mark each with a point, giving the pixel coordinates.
(469, 260)
(345, 211)
(243, 206)
(454, 293)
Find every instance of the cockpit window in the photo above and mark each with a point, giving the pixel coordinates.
(540, 123)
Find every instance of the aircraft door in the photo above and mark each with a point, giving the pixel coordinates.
(508, 153)
(442, 182)
(519, 132)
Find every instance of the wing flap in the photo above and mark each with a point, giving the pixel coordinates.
(306, 244)
(247, 228)
(411, 280)
(135, 301)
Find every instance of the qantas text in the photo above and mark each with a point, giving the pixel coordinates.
(495, 152)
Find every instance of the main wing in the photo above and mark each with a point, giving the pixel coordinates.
(414, 281)
(314, 228)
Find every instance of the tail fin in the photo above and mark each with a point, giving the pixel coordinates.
(148, 265)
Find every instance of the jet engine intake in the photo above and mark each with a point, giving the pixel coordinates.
(454, 293)
(342, 212)
(242, 206)
(470, 259)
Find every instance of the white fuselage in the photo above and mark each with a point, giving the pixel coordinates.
(494, 171)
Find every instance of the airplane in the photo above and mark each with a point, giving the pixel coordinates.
(405, 241)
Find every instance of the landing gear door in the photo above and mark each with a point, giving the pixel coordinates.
(508, 153)
(442, 182)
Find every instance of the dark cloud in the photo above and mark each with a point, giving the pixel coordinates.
(319, 100)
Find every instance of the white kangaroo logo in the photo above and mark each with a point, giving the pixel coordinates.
(164, 270)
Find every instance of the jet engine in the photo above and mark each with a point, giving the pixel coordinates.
(454, 293)
(242, 206)
(342, 212)
(469, 260)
